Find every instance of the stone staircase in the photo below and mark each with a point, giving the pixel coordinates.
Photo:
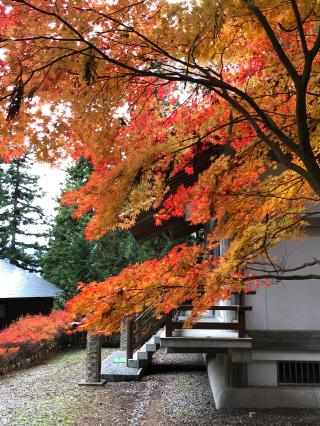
(211, 333)
(142, 357)
(116, 369)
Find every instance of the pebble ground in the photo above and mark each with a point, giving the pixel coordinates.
(174, 392)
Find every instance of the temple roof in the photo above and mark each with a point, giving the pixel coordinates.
(18, 283)
(145, 227)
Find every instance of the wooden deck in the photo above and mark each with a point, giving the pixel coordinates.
(203, 341)
(210, 333)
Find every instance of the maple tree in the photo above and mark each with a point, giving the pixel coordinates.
(71, 258)
(141, 89)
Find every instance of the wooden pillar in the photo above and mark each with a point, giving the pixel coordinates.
(123, 335)
(169, 325)
(93, 361)
(129, 340)
(241, 317)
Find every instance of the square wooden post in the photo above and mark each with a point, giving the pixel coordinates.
(169, 326)
(130, 340)
(241, 317)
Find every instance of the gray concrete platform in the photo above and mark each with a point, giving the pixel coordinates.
(203, 341)
(114, 369)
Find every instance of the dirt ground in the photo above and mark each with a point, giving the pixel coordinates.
(175, 391)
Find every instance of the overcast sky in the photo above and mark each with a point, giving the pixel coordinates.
(51, 179)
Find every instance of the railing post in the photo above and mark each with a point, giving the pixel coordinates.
(241, 317)
(169, 326)
(129, 339)
(138, 335)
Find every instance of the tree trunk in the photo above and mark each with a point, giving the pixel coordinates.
(93, 361)
(14, 222)
(123, 336)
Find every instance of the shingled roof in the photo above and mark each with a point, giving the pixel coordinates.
(18, 283)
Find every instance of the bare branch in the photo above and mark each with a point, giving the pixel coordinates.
(280, 277)
(281, 270)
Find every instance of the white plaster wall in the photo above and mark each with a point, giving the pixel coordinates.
(285, 356)
(262, 370)
(289, 305)
(262, 374)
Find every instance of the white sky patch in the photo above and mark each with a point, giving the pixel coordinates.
(7, 10)
(123, 111)
(50, 180)
(3, 53)
(46, 110)
(97, 28)
(52, 25)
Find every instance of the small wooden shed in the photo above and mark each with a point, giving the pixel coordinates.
(23, 293)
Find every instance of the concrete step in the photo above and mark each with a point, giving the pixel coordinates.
(207, 315)
(187, 312)
(142, 353)
(138, 363)
(156, 337)
(153, 344)
(115, 369)
(142, 357)
(208, 318)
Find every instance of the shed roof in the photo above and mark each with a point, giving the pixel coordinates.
(18, 283)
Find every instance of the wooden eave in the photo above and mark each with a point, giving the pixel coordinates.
(145, 227)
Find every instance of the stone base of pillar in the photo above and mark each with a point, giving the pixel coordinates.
(85, 383)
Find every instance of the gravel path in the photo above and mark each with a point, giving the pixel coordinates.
(174, 392)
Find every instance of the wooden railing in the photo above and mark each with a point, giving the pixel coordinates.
(145, 325)
(172, 321)
(140, 329)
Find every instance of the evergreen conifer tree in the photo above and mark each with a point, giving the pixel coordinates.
(22, 219)
(71, 258)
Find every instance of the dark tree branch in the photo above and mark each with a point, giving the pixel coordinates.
(286, 270)
(281, 277)
(225, 90)
(273, 39)
(300, 27)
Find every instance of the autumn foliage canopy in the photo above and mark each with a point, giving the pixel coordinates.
(141, 89)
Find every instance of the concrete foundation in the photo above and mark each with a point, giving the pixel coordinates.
(228, 396)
